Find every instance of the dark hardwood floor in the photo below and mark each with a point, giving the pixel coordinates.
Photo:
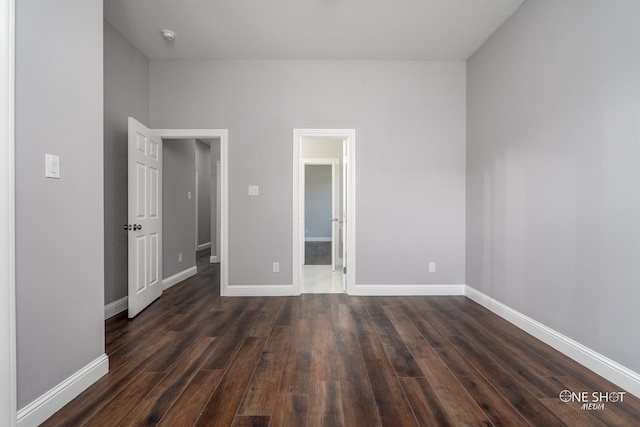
(196, 359)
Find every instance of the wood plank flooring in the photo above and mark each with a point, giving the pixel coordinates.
(196, 359)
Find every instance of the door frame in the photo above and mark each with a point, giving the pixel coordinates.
(349, 136)
(8, 388)
(223, 135)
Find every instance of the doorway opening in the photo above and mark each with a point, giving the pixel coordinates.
(145, 209)
(190, 208)
(219, 167)
(324, 210)
(146, 255)
(322, 270)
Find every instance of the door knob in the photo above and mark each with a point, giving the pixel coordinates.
(127, 227)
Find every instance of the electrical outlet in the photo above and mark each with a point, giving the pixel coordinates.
(432, 267)
(180, 257)
(276, 267)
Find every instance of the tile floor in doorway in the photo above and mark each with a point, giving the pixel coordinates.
(319, 279)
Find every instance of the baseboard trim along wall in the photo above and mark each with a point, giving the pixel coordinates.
(116, 307)
(259, 290)
(601, 365)
(179, 277)
(52, 401)
(407, 290)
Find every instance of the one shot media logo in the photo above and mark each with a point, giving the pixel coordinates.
(592, 401)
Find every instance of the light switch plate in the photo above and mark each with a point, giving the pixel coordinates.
(52, 166)
(254, 190)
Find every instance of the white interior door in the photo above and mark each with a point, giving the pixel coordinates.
(344, 214)
(145, 222)
(335, 214)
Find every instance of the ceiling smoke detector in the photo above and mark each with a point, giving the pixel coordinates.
(168, 35)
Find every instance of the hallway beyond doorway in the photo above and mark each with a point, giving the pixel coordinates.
(317, 253)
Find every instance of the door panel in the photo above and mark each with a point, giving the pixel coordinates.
(145, 222)
(335, 214)
(141, 191)
(141, 255)
(154, 196)
(345, 162)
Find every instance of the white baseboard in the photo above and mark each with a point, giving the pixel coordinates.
(116, 307)
(213, 259)
(204, 246)
(259, 290)
(179, 277)
(601, 365)
(407, 290)
(360, 290)
(317, 239)
(52, 401)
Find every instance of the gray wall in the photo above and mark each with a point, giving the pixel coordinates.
(410, 129)
(552, 172)
(178, 212)
(59, 223)
(203, 167)
(126, 93)
(317, 201)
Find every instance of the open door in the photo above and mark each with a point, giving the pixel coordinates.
(145, 223)
(344, 214)
(336, 221)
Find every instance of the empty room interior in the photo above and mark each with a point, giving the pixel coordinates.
(366, 213)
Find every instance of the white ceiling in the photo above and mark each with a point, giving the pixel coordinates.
(309, 29)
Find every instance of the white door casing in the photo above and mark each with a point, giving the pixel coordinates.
(223, 193)
(145, 221)
(336, 215)
(349, 194)
(196, 196)
(218, 257)
(345, 193)
(8, 391)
